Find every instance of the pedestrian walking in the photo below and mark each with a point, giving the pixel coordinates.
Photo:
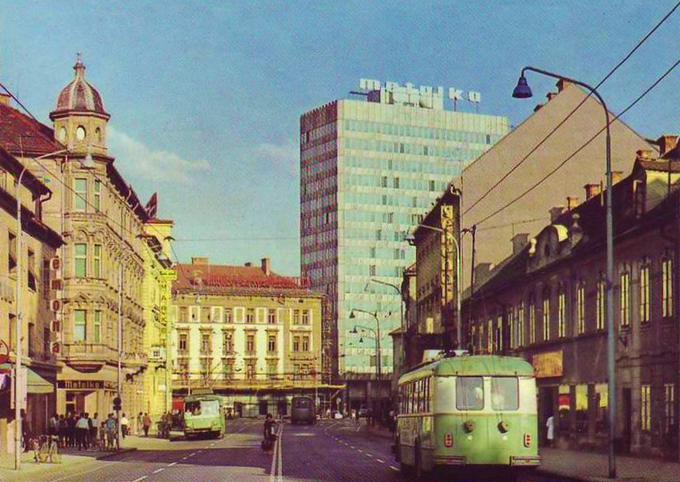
(550, 431)
(111, 428)
(94, 431)
(146, 420)
(63, 430)
(71, 421)
(140, 424)
(124, 424)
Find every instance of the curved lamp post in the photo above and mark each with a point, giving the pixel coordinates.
(523, 91)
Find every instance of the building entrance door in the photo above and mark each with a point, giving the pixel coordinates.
(546, 408)
(626, 429)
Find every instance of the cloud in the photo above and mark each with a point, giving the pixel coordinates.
(139, 160)
(286, 155)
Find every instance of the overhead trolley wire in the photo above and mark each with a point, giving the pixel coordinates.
(554, 170)
(606, 77)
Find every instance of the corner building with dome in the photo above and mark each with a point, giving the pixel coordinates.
(105, 230)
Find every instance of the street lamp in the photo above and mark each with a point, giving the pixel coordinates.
(523, 91)
(19, 391)
(459, 328)
(376, 333)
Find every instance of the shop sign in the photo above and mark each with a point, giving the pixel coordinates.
(80, 384)
(547, 364)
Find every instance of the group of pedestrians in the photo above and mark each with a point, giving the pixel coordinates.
(84, 432)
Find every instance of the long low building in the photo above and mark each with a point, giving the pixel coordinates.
(247, 333)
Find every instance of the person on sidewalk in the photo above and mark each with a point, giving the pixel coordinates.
(111, 428)
(124, 424)
(94, 432)
(82, 427)
(146, 421)
(550, 431)
(140, 424)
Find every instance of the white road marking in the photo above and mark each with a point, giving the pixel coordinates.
(394, 468)
(381, 461)
(141, 478)
(360, 451)
(368, 455)
(158, 470)
(351, 446)
(170, 465)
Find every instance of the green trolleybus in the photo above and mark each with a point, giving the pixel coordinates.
(203, 415)
(468, 412)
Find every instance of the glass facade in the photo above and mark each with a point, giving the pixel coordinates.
(369, 173)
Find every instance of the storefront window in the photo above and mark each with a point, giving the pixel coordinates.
(581, 408)
(601, 403)
(564, 408)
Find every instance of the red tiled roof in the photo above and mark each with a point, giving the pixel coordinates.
(192, 277)
(36, 138)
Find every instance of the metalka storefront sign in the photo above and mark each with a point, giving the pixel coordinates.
(84, 385)
(547, 364)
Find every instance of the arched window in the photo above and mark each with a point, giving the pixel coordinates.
(81, 133)
(532, 319)
(624, 297)
(645, 290)
(666, 287)
(601, 301)
(561, 312)
(581, 307)
(546, 314)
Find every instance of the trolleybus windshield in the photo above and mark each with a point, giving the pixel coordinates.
(469, 393)
(504, 393)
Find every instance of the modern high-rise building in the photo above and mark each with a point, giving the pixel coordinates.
(370, 168)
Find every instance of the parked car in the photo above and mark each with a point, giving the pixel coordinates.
(363, 412)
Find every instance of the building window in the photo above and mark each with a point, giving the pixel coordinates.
(250, 315)
(183, 314)
(601, 302)
(228, 343)
(581, 308)
(228, 315)
(371, 270)
(667, 287)
(250, 371)
(383, 181)
(645, 408)
(183, 342)
(97, 261)
(489, 336)
(12, 254)
(305, 343)
(305, 317)
(250, 343)
(396, 183)
(97, 327)
(520, 325)
(31, 281)
(296, 343)
(669, 407)
(97, 195)
(624, 299)
(272, 343)
(546, 315)
(81, 260)
(433, 186)
(79, 325)
(205, 343)
(296, 317)
(644, 292)
(561, 314)
(271, 317)
(532, 322)
(80, 194)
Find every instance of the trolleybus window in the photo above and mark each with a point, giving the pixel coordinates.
(504, 393)
(469, 393)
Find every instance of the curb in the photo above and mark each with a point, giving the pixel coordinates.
(109, 455)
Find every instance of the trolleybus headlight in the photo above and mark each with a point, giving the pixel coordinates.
(503, 427)
(527, 440)
(448, 440)
(469, 426)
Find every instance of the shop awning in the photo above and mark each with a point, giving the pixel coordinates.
(37, 385)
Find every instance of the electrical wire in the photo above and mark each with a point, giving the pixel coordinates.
(571, 156)
(542, 141)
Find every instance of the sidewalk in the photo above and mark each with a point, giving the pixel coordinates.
(30, 470)
(590, 466)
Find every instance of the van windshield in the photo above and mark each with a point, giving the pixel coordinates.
(203, 407)
(469, 393)
(302, 403)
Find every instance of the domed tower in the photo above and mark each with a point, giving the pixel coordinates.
(80, 119)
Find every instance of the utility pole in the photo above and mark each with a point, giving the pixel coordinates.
(120, 350)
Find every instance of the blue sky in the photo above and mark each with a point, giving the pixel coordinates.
(205, 97)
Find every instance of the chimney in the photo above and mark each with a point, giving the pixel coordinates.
(4, 98)
(200, 260)
(519, 240)
(572, 202)
(643, 155)
(248, 264)
(267, 266)
(575, 231)
(616, 176)
(562, 84)
(550, 96)
(592, 190)
(482, 273)
(555, 213)
(666, 143)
